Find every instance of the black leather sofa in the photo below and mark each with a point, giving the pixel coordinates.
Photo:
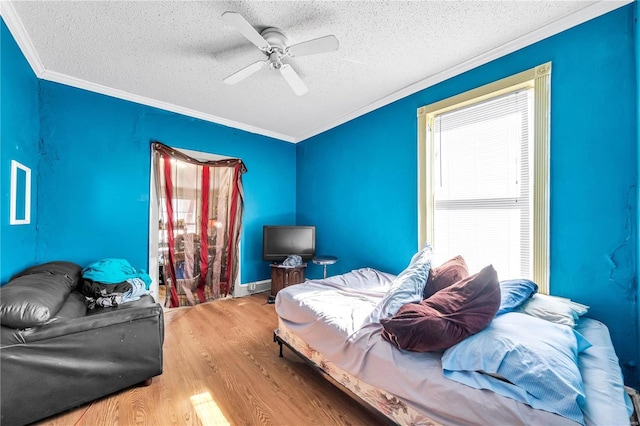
(55, 354)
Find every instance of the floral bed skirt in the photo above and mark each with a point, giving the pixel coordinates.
(381, 401)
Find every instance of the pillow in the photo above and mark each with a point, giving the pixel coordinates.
(407, 287)
(56, 268)
(554, 309)
(447, 317)
(449, 273)
(537, 359)
(33, 299)
(515, 293)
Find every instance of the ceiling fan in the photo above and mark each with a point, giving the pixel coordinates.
(274, 44)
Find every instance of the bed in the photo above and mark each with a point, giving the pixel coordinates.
(334, 324)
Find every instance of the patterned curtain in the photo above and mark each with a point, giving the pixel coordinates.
(200, 209)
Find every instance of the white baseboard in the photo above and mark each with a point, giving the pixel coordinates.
(252, 288)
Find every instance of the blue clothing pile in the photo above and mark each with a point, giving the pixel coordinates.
(112, 271)
(104, 280)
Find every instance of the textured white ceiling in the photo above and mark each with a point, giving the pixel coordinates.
(174, 54)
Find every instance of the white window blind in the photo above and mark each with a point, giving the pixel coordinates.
(483, 184)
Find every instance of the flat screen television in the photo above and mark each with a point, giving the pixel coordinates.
(278, 242)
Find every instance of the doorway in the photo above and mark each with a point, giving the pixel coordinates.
(194, 238)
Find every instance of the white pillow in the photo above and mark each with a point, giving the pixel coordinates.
(407, 287)
(555, 309)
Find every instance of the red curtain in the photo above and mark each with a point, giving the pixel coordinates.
(200, 206)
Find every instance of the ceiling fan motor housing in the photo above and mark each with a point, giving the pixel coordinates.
(275, 37)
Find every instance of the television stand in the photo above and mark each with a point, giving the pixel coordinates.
(284, 276)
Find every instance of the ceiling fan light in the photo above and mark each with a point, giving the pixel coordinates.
(275, 61)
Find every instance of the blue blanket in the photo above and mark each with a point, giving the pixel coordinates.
(114, 271)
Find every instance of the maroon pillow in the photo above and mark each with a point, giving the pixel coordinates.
(449, 273)
(447, 317)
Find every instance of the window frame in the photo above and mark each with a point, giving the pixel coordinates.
(537, 78)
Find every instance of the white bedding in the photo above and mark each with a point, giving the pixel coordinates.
(333, 317)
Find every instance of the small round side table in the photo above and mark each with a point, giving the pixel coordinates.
(324, 261)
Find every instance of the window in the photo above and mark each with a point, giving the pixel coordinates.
(483, 176)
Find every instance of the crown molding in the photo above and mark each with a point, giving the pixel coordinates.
(591, 11)
(19, 32)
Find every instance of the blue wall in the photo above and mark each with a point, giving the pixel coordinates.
(637, 43)
(94, 197)
(358, 182)
(91, 156)
(19, 134)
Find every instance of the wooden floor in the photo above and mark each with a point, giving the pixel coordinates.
(221, 367)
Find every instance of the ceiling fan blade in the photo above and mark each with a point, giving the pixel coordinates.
(245, 72)
(293, 79)
(311, 47)
(246, 29)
